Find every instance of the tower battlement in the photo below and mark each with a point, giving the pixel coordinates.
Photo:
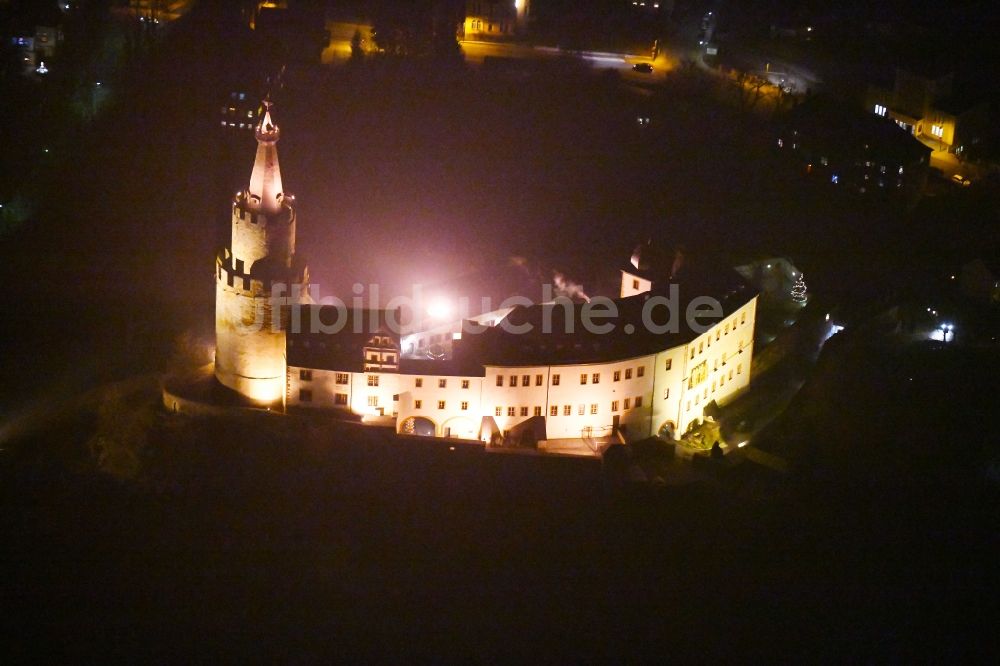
(249, 326)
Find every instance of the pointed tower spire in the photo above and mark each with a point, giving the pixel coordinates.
(265, 191)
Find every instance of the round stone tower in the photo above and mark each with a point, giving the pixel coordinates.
(256, 279)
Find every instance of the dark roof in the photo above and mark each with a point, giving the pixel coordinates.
(548, 342)
(453, 367)
(340, 350)
(652, 261)
(845, 129)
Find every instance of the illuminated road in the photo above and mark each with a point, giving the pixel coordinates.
(476, 52)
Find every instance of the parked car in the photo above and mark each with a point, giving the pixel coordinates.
(643, 67)
(961, 180)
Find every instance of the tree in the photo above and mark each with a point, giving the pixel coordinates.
(357, 48)
(749, 89)
(416, 28)
(799, 294)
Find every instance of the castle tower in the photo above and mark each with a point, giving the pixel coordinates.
(259, 265)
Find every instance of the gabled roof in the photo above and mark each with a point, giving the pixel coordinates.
(309, 347)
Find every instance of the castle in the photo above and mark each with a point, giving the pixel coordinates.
(522, 374)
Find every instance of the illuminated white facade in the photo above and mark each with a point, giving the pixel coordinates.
(663, 393)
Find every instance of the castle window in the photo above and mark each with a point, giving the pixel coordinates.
(583, 378)
(692, 352)
(499, 411)
(372, 380)
(465, 383)
(617, 376)
(513, 380)
(305, 375)
(418, 382)
(440, 404)
(701, 347)
(689, 406)
(627, 404)
(499, 380)
(442, 383)
(511, 411)
(555, 380)
(391, 358)
(593, 408)
(614, 406)
(628, 373)
(340, 399)
(526, 380)
(670, 363)
(554, 410)
(638, 401)
(305, 395)
(538, 411)
(342, 378)
(465, 405)
(567, 410)
(739, 369)
(640, 371)
(524, 411)
(538, 380)
(581, 410)
(373, 401)
(417, 404)
(596, 378)
(743, 318)
(635, 284)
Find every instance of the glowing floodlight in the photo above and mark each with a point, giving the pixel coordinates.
(439, 308)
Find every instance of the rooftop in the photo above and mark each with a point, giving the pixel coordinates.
(564, 332)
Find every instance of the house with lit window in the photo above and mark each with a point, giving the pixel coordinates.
(929, 107)
(494, 19)
(36, 40)
(848, 148)
(239, 112)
